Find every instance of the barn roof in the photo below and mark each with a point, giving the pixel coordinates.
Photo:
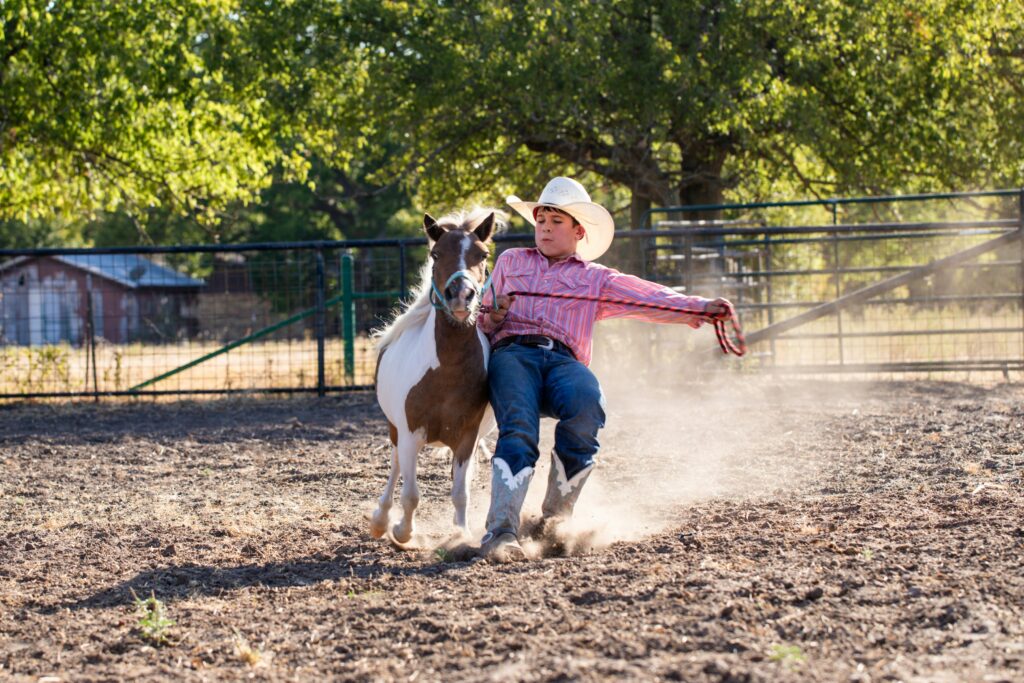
(131, 270)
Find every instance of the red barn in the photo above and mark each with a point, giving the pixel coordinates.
(51, 299)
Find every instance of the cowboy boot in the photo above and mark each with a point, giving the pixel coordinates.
(501, 542)
(562, 493)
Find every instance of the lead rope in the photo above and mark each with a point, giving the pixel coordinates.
(737, 347)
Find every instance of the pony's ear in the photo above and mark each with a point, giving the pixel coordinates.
(433, 230)
(485, 229)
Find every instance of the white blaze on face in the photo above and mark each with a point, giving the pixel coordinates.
(467, 242)
(464, 247)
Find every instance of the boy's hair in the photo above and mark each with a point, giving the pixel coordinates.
(551, 209)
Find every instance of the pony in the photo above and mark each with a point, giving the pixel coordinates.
(431, 375)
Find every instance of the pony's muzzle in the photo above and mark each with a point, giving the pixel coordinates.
(461, 295)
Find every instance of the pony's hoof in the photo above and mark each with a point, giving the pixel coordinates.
(401, 534)
(379, 523)
(458, 535)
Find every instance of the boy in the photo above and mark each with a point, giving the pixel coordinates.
(541, 349)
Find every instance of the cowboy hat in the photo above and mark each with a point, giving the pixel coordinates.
(569, 196)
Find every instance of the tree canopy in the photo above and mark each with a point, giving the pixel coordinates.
(337, 113)
(188, 105)
(682, 102)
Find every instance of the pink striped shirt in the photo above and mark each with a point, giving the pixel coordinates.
(571, 321)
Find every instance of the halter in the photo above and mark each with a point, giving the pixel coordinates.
(440, 303)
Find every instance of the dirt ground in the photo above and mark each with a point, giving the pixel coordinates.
(770, 532)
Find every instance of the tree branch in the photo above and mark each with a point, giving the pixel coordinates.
(624, 164)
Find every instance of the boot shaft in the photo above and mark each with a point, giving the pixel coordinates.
(562, 492)
(508, 493)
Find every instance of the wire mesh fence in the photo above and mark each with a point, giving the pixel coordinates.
(917, 285)
(179, 320)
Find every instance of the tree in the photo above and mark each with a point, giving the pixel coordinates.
(330, 204)
(681, 102)
(333, 204)
(194, 107)
(133, 105)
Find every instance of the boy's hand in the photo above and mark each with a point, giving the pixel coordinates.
(501, 305)
(718, 308)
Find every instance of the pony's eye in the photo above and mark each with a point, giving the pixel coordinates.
(433, 255)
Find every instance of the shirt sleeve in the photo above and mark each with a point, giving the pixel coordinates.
(679, 308)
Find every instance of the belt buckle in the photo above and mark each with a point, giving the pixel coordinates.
(548, 344)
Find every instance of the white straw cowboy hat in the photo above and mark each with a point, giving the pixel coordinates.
(569, 196)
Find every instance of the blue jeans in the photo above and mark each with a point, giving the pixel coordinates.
(527, 383)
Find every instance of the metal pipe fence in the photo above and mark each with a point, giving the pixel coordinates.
(893, 285)
(822, 287)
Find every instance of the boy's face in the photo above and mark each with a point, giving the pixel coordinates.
(556, 233)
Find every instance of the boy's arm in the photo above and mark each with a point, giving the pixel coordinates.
(683, 309)
(492, 317)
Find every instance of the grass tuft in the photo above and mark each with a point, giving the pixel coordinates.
(153, 626)
(245, 652)
(788, 655)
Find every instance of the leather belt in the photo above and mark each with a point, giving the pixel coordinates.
(536, 340)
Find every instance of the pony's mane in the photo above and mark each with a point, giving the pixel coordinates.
(414, 312)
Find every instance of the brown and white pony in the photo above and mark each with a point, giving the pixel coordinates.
(432, 367)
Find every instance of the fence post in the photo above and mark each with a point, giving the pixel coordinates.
(1020, 250)
(769, 269)
(647, 244)
(90, 352)
(403, 285)
(838, 277)
(320, 320)
(688, 262)
(348, 316)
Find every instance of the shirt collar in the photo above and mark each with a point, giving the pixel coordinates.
(573, 257)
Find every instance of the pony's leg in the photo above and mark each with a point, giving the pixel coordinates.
(408, 450)
(482, 450)
(379, 521)
(487, 425)
(462, 475)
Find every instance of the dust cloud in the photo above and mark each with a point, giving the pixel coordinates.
(684, 425)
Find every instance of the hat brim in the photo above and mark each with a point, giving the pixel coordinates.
(597, 222)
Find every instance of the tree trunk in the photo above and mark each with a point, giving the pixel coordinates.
(638, 207)
(702, 178)
(636, 253)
